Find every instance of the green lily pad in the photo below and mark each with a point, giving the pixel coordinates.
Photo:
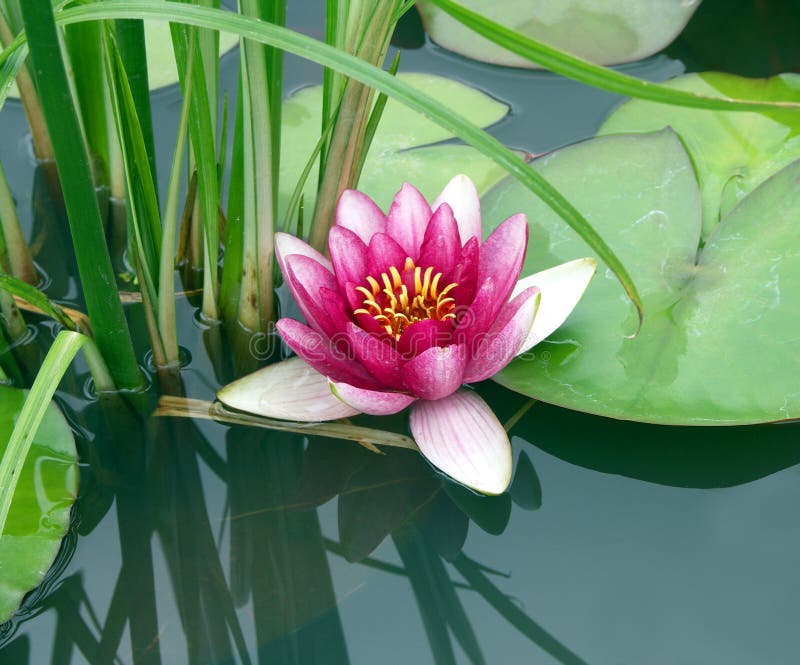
(733, 152)
(39, 515)
(603, 32)
(396, 155)
(719, 339)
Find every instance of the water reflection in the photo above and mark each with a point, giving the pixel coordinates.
(222, 557)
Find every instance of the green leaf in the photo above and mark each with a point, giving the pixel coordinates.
(46, 487)
(603, 32)
(733, 153)
(717, 345)
(396, 154)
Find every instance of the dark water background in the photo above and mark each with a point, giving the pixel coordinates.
(621, 543)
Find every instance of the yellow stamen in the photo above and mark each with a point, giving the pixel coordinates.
(394, 307)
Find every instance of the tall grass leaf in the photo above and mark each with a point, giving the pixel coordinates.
(166, 284)
(84, 43)
(94, 264)
(130, 42)
(203, 141)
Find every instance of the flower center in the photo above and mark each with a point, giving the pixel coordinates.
(398, 300)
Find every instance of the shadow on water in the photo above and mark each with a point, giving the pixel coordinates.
(248, 569)
(701, 457)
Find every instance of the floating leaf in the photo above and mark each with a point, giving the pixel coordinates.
(39, 515)
(396, 154)
(718, 344)
(603, 32)
(733, 153)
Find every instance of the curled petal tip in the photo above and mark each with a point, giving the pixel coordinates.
(561, 287)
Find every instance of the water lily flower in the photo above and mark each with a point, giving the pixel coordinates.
(410, 307)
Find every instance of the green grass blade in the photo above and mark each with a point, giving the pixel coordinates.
(103, 380)
(311, 49)
(143, 218)
(131, 45)
(255, 299)
(85, 47)
(231, 269)
(42, 147)
(94, 263)
(203, 139)
(375, 118)
(166, 285)
(35, 297)
(587, 72)
(58, 359)
(336, 12)
(16, 250)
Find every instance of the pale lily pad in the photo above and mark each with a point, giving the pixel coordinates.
(732, 152)
(39, 515)
(598, 30)
(722, 324)
(395, 155)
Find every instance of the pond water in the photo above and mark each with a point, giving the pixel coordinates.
(195, 542)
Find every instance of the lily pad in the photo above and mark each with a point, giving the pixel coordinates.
(733, 152)
(603, 32)
(719, 340)
(396, 154)
(39, 515)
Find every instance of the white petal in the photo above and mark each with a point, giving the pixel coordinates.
(289, 390)
(461, 436)
(460, 194)
(287, 244)
(561, 288)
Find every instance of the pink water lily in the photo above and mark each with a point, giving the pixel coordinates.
(411, 306)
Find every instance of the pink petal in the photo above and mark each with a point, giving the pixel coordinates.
(441, 246)
(500, 263)
(494, 349)
(358, 212)
(377, 356)
(408, 218)
(385, 252)
(306, 279)
(373, 402)
(562, 288)
(460, 194)
(465, 273)
(421, 336)
(436, 372)
(286, 245)
(323, 355)
(348, 255)
(290, 390)
(461, 436)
